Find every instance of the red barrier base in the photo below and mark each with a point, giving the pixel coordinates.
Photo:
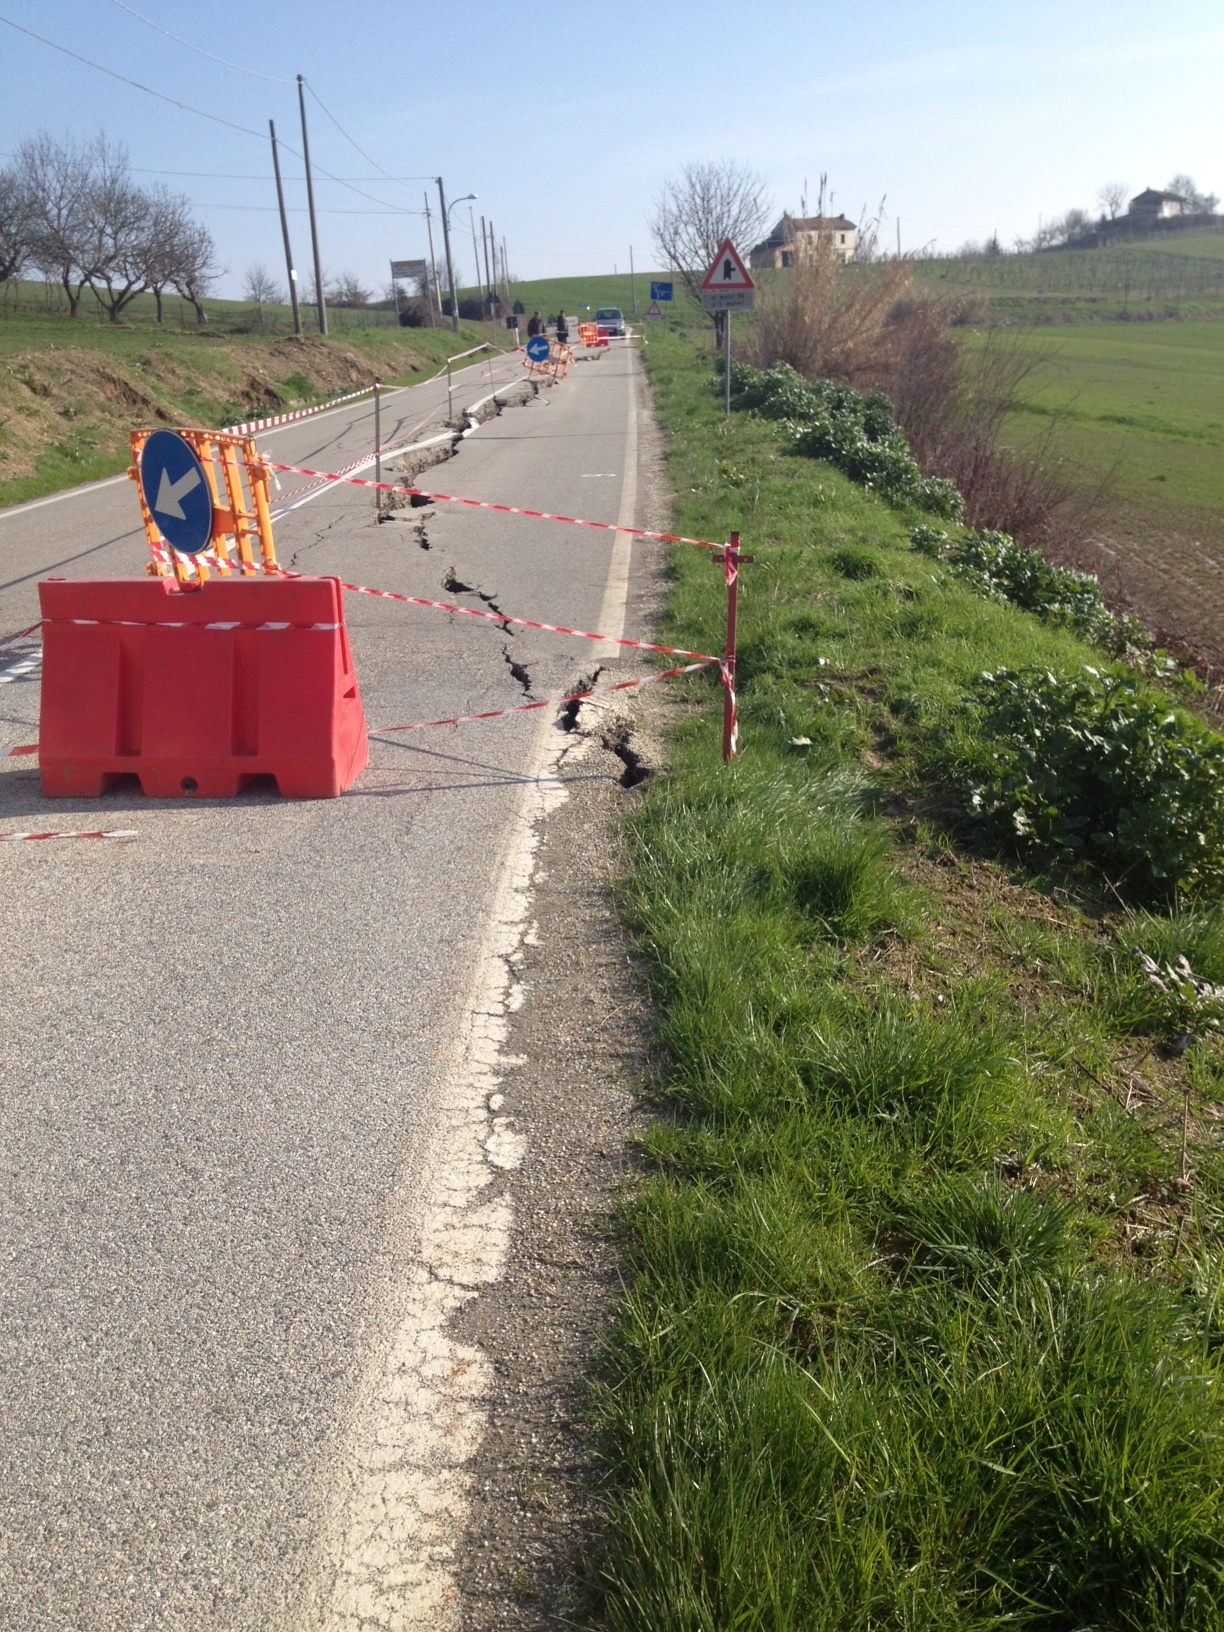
(197, 692)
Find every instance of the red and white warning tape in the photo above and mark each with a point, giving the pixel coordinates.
(15, 753)
(485, 504)
(548, 702)
(523, 623)
(11, 640)
(99, 833)
(251, 425)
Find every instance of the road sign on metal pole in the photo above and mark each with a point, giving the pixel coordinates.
(727, 362)
(653, 313)
(660, 291)
(728, 285)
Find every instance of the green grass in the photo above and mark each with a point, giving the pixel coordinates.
(1143, 403)
(923, 1329)
(1174, 274)
(72, 390)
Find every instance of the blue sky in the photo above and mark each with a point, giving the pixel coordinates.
(965, 115)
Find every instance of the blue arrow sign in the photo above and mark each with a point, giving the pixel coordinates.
(538, 348)
(176, 491)
(660, 291)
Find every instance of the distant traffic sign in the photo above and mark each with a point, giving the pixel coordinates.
(177, 492)
(538, 348)
(728, 285)
(653, 313)
(727, 270)
(660, 291)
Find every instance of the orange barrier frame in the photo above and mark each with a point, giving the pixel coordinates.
(238, 480)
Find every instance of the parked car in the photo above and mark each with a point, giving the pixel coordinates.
(611, 322)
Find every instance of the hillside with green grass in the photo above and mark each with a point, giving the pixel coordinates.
(72, 390)
(1174, 274)
(923, 1319)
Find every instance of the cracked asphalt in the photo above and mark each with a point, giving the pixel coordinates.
(219, 1041)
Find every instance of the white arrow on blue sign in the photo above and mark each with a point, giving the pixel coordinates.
(176, 491)
(538, 348)
(660, 291)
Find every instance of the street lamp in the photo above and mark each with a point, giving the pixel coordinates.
(450, 265)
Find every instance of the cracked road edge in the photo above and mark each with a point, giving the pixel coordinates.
(403, 1495)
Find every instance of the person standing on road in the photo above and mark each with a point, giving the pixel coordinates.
(535, 325)
(562, 330)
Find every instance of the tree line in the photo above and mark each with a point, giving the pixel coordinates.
(72, 212)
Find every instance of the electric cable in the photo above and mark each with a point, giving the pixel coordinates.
(135, 83)
(274, 79)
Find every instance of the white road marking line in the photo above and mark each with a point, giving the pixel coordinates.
(15, 671)
(403, 1493)
(616, 594)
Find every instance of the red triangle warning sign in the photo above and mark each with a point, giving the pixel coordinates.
(728, 271)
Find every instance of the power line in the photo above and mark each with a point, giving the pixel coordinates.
(350, 140)
(186, 107)
(273, 79)
(135, 83)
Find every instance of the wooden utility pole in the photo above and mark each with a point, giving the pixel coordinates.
(320, 299)
(290, 269)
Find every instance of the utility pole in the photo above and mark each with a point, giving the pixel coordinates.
(898, 237)
(434, 267)
(506, 268)
(632, 280)
(484, 239)
(450, 264)
(476, 256)
(314, 226)
(290, 269)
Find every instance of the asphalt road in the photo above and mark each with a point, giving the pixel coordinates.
(216, 1042)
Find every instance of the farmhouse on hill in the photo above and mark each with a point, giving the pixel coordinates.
(794, 231)
(1153, 205)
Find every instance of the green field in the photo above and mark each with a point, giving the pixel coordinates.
(1141, 403)
(1178, 274)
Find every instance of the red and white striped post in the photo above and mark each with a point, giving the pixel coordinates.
(731, 565)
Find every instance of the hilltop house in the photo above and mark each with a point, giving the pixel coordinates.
(1151, 205)
(793, 231)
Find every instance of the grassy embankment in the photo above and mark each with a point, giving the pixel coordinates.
(71, 390)
(924, 1320)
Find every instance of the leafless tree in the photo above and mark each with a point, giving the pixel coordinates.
(118, 217)
(261, 289)
(196, 267)
(1196, 203)
(14, 226)
(697, 209)
(169, 223)
(1112, 197)
(54, 177)
(348, 290)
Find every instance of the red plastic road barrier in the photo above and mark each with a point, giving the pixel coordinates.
(196, 692)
